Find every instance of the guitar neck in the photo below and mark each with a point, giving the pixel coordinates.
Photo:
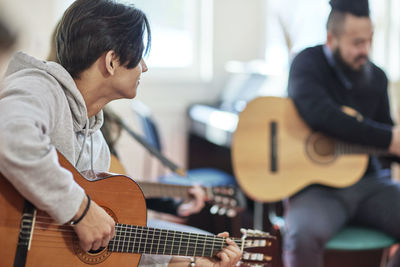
(156, 190)
(142, 239)
(344, 148)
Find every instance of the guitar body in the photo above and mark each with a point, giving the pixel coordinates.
(275, 154)
(40, 242)
(116, 166)
(11, 204)
(120, 196)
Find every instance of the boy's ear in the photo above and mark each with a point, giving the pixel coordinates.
(111, 62)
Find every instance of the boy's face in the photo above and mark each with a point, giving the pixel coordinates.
(126, 81)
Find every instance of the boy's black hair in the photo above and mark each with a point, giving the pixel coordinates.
(7, 37)
(91, 27)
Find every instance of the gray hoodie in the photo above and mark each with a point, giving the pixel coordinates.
(42, 110)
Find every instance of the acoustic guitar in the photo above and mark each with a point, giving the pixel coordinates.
(275, 154)
(29, 237)
(226, 200)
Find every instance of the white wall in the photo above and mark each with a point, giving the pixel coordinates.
(239, 34)
(35, 21)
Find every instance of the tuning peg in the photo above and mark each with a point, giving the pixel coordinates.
(231, 213)
(250, 232)
(259, 233)
(214, 209)
(263, 234)
(231, 191)
(222, 211)
(256, 257)
(218, 190)
(246, 256)
(225, 201)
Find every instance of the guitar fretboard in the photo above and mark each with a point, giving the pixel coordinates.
(345, 148)
(165, 190)
(142, 239)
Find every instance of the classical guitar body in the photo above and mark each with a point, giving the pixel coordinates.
(275, 154)
(54, 245)
(10, 216)
(29, 237)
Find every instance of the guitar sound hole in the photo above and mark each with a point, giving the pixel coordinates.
(93, 256)
(324, 147)
(97, 251)
(320, 149)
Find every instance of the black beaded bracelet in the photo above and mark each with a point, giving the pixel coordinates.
(75, 222)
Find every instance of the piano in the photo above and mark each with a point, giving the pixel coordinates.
(216, 123)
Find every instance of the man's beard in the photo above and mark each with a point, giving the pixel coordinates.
(361, 76)
(345, 66)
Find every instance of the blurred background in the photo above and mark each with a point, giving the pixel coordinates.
(208, 58)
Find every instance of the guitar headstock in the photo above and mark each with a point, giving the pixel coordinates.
(259, 248)
(226, 200)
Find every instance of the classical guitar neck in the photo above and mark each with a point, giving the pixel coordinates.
(256, 245)
(156, 190)
(344, 148)
(142, 239)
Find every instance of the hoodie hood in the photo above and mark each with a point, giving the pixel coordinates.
(22, 61)
(39, 102)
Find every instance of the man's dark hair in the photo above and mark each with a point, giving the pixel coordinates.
(7, 37)
(342, 8)
(91, 27)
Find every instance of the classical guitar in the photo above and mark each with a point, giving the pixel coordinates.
(29, 237)
(226, 200)
(275, 154)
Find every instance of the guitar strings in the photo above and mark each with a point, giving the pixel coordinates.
(128, 245)
(128, 242)
(167, 250)
(123, 238)
(69, 244)
(124, 234)
(126, 231)
(129, 229)
(70, 233)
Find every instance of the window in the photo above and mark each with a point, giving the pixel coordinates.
(181, 38)
(386, 36)
(293, 25)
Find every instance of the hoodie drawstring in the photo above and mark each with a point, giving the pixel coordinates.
(84, 144)
(91, 152)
